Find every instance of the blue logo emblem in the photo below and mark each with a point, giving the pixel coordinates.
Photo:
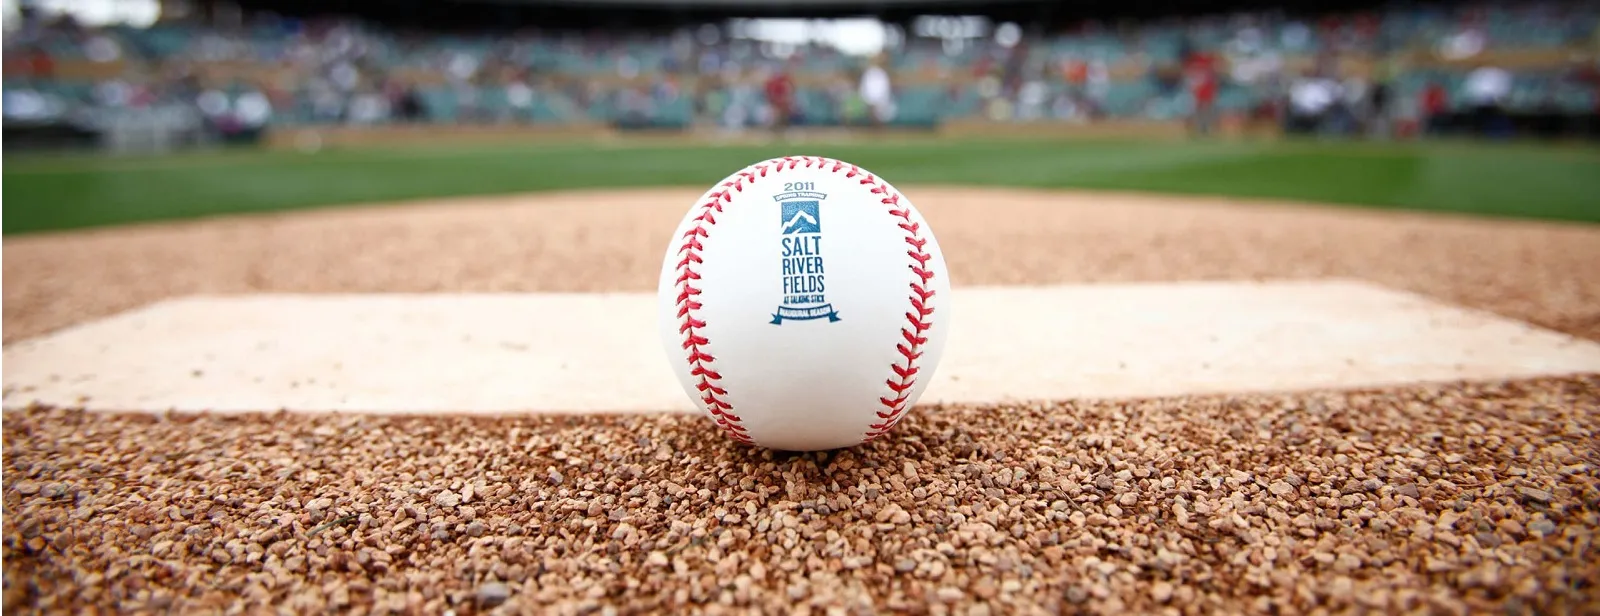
(801, 217)
(804, 279)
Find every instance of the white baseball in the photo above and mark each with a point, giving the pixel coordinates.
(804, 304)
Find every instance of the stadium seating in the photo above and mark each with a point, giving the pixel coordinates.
(332, 72)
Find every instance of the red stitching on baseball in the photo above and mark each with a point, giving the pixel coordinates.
(904, 377)
(895, 408)
(699, 360)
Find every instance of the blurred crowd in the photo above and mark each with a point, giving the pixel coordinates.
(1384, 71)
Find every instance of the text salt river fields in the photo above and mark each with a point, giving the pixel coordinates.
(802, 270)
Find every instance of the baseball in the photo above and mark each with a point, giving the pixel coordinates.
(803, 304)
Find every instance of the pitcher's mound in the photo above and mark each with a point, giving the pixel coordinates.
(494, 353)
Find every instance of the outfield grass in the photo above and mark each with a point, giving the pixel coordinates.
(1489, 179)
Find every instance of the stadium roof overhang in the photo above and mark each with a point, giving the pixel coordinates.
(782, 5)
(650, 14)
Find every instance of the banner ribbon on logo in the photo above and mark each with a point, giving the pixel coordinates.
(800, 194)
(804, 314)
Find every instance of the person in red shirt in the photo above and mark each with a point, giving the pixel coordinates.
(1202, 73)
(41, 64)
(780, 95)
(1589, 75)
(1076, 73)
(1433, 107)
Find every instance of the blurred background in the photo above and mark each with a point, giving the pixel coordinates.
(138, 75)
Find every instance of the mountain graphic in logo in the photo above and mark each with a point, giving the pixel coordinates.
(801, 223)
(801, 217)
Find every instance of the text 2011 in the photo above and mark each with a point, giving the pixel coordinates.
(800, 186)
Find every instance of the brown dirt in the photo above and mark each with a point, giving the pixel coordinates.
(1544, 273)
(1427, 498)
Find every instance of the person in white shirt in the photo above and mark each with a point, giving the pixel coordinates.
(1487, 88)
(876, 93)
(1310, 99)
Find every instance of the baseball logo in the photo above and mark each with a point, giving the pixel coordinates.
(803, 304)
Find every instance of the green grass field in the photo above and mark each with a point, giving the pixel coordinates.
(1518, 180)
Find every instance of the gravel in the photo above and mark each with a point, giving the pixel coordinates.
(658, 513)
(1438, 498)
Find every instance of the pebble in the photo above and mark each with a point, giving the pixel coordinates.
(493, 593)
(1542, 527)
(1535, 495)
(1341, 588)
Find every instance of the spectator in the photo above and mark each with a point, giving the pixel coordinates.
(1486, 89)
(1201, 73)
(1435, 105)
(780, 93)
(1310, 100)
(877, 94)
(253, 110)
(1378, 109)
(520, 98)
(1076, 74)
(1099, 78)
(1381, 99)
(1350, 111)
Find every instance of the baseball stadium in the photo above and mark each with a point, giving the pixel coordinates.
(425, 307)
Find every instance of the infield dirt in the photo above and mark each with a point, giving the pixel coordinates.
(1540, 272)
(1431, 498)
